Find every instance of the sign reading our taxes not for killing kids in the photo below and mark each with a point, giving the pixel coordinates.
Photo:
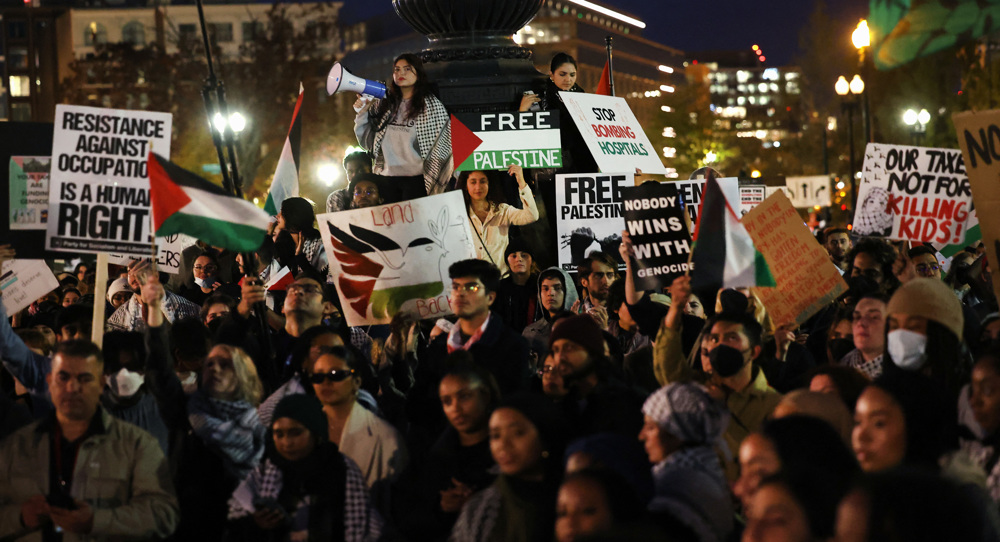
(99, 186)
(613, 134)
(496, 141)
(913, 194)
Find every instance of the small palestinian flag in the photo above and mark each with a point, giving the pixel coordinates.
(285, 183)
(185, 203)
(724, 255)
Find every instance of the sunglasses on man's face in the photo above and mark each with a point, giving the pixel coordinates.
(335, 375)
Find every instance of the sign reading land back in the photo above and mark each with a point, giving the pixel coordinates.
(489, 141)
(99, 186)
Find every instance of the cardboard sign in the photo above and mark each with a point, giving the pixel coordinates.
(168, 253)
(29, 192)
(751, 195)
(808, 192)
(99, 193)
(654, 219)
(589, 215)
(913, 194)
(394, 258)
(496, 141)
(807, 280)
(979, 136)
(24, 281)
(613, 134)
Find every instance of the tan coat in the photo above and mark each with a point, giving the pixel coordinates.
(121, 473)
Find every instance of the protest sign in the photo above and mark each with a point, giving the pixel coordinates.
(913, 194)
(751, 195)
(168, 253)
(808, 192)
(99, 186)
(393, 258)
(496, 141)
(24, 281)
(23, 139)
(979, 136)
(589, 215)
(655, 221)
(29, 192)
(806, 279)
(613, 134)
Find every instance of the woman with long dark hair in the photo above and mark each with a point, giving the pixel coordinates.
(408, 133)
(490, 217)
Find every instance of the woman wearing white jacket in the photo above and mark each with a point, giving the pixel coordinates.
(489, 217)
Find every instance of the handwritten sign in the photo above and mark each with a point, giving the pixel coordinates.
(612, 133)
(979, 137)
(806, 279)
(655, 220)
(29, 192)
(913, 194)
(24, 281)
(99, 194)
(394, 258)
(495, 141)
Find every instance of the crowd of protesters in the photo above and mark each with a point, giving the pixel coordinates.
(550, 406)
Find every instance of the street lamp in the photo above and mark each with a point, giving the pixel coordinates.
(861, 38)
(917, 123)
(850, 93)
(236, 121)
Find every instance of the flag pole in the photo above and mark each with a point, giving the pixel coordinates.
(225, 147)
(611, 69)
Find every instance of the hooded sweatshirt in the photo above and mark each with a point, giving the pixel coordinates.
(537, 334)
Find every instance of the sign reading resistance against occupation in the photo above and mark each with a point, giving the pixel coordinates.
(395, 257)
(496, 141)
(655, 221)
(613, 134)
(913, 194)
(99, 188)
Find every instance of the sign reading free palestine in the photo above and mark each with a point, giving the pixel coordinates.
(496, 141)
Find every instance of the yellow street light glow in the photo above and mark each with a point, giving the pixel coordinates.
(610, 13)
(857, 85)
(755, 174)
(842, 86)
(861, 37)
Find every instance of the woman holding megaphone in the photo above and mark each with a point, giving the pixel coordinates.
(408, 132)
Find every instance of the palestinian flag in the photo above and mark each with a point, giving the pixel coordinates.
(285, 183)
(604, 86)
(724, 255)
(185, 203)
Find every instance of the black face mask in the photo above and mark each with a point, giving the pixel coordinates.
(726, 360)
(840, 347)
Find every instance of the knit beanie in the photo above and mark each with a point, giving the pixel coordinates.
(517, 244)
(305, 409)
(931, 299)
(118, 286)
(581, 329)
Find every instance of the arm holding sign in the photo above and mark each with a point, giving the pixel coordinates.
(26, 366)
(527, 215)
(669, 364)
(628, 256)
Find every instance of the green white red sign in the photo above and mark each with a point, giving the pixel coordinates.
(496, 141)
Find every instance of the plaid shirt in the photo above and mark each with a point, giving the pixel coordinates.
(128, 317)
(872, 369)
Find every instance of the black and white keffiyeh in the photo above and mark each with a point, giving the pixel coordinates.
(433, 140)
(230, 429)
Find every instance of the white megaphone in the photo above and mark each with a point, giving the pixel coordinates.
(341, 80)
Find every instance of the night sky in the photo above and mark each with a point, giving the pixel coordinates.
(706, 24)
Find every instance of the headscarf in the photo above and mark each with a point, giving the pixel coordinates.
(688, 412)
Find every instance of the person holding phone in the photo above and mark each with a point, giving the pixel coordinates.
(305, 489)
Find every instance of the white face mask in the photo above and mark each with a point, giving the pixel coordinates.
(125, 383)
(190, 382)
(908, 349)
(206, 282)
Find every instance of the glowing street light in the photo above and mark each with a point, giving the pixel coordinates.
(328, 173)
(857, 85)
(710, 157)
(237, 122)
(861, 36)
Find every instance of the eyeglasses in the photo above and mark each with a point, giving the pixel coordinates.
(303, 288)
(924, 268)
(336, 375)
(561, 370)
(362, 192)
(403, 69)
(209, 267)
(471, 287)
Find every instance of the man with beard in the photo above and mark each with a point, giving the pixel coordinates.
(596, 273)
(600, 403)
(131, 315)
(837, 244)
